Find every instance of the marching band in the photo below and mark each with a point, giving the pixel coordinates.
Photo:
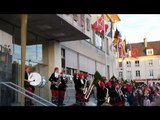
(112, 92)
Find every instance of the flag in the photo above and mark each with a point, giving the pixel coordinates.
(109, 29)
(125, 45)
(99, 25)
(134, 52)
(117, 39)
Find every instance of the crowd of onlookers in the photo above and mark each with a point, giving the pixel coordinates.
(130, 93)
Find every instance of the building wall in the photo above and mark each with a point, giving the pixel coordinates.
(86, 56)
(144, 67)
(87, 51)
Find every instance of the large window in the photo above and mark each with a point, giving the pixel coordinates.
(70, 71)
(17, 51)
(63, 58)
(98, 41)
(34, 53)
(137, 73)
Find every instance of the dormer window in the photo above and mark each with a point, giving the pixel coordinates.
(149, 51)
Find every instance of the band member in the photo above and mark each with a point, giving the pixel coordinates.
(101, 92)
(76, 80)
(121, 97)
(80, 88)
(62, 88)
(27, 86)
(114, 97)
(55, 81)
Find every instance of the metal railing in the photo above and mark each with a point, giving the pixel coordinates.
(21, 90)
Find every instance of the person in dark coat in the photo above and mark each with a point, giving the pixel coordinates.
(55, 82)
(62, 88)
(76, 80)
(101, 92)
(28, 87)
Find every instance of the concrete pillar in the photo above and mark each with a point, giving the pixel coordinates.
(54, 58)
(23, 50)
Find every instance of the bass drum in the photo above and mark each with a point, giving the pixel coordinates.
(35, 79)
(43, 83)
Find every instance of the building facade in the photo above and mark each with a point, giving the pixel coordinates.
(66, 41)
(145, 66)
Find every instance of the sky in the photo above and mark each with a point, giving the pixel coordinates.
(136, 27)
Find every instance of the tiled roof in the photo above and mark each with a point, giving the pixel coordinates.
(155, 45)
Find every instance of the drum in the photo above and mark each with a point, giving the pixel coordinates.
(43, 83)
(35, 79)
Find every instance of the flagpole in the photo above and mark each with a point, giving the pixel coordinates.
(105, 47)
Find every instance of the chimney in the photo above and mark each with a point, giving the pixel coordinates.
(145, 42)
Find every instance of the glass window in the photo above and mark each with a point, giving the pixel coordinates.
(63, 58)
(150, 62)
(151, 73)
(107, 46)
(137, 63)
(39, 53)
(75, 17)
(88, 24)
(17, 51)
(128, 63)
(120, 64)
(98, 41)
(137, 73)
(68, 71)
(149, 51)
(82, 20)
(31, 52)
(121, 74)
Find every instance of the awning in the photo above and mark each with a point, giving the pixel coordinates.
(113, 17)
(49, 26)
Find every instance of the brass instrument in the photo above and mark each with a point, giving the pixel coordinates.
(89, 90)
(58, 82)
(119, 91)
(107, 98)
(85, 88)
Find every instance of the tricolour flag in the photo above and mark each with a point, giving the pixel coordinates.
(109, 29)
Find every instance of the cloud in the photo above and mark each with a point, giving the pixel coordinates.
(135, 27)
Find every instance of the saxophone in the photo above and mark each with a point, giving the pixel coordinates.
(85, 88)
(58, 82)
(89, 89)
